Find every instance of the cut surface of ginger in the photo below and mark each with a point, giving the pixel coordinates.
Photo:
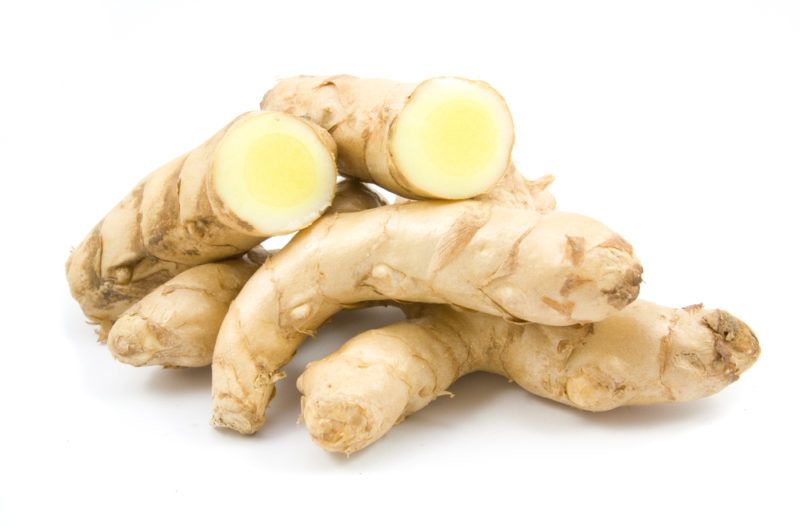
(453, 138)
(274, 172)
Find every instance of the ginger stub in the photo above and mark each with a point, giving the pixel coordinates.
(446, 137)
(176, 324)
(645, 354)
(264, 174)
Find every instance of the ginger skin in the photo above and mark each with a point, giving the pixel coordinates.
(645, 354)
(176, 325)
(520, 264)
(176, 218)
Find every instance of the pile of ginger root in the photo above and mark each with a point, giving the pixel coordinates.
(490, 275)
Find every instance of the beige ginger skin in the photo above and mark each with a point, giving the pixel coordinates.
(519, 264)
(445, 138)
(645, 354)
(177, 217)
(176, 324)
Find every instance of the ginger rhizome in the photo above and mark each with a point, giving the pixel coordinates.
(446, 137)
(176, 324)
(264, 174)
(491, 276)
(645, 354)
(520, 264)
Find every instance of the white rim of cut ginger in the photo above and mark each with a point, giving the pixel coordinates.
(273, 172)
(453, 138)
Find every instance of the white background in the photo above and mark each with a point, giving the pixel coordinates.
(676, 123)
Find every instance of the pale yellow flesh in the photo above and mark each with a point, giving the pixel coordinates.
(274, 173)
(279, 170)
(453, 139)
(458, 137)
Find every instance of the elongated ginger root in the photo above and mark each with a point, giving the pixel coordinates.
(556, 268)
(176, 325)
(645, 354)
(265, 173)
(446, 137)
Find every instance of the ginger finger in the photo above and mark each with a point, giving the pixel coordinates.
(645, 354)
(176, 324)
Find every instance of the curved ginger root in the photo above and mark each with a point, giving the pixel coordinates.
(556, 268)
(645, 354)
(176, 325)
(446, 137)
(264, 174)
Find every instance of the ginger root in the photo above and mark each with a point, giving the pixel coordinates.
(446, 137)
(491, 277)
(265, 173)
(644, 354)
(519, 264)
(176, 325)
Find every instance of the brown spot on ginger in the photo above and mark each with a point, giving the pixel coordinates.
(564, 308)
(575, 249)
(618, 243)
(572, 282)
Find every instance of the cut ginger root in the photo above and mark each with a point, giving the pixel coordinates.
(266, 173)
(446, 137)
(176, 324)
(645, 354)
(517, 263)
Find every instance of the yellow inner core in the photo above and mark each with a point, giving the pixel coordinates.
(279, 170)
(459, 137)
